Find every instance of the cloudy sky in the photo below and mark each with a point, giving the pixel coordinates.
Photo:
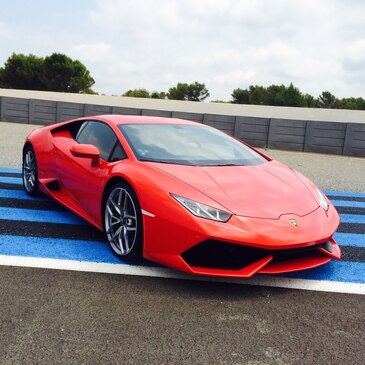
(316, 44)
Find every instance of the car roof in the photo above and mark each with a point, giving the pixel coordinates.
(140, 119)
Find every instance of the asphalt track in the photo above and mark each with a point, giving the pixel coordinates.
(145, 316)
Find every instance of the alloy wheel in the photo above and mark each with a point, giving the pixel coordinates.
(29, 171)
(121, 222)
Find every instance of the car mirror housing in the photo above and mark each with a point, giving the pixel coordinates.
(86, 151)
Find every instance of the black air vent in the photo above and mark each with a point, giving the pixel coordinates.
(222, 255)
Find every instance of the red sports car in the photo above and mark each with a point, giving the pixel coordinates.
(182, 194)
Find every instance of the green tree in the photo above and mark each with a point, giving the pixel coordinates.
(89, 91)
(240, 96)
(193, 92)
(1, 77)
(178, 92)
(61, 73)
(279, 95)
(274, 95)
(137, 93)
(310, 101)
(351, 103)
(327, 100)
(57, 72)
(258, 95)
(158, 95)
(22, 72)
(197, 92)
(291, 96)
(255, 94)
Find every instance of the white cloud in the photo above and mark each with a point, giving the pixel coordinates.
(317, 45)
(5, 31)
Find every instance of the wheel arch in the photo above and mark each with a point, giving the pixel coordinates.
(112, 181)
(26, 144)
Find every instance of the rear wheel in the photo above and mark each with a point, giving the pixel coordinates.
(29, 171)
(123, 222)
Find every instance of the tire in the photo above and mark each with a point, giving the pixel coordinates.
(123, 222)
(30, 171)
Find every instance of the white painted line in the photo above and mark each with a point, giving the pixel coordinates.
(160, 272)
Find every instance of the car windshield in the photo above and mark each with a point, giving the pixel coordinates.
(187, 145)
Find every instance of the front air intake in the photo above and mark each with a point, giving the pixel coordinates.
(213, 254)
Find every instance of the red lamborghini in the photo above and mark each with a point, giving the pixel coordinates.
(182, 194)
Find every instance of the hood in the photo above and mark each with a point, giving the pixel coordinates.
(262, 191)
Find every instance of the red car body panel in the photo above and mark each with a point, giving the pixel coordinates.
(234, 186)
(262, 200)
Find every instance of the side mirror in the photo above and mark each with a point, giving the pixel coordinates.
(86, 151)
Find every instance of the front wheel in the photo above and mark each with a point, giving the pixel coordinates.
(123, 222)
(29, 171)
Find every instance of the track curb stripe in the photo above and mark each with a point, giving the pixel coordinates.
(32, 204)
(345, 197)
(11, 180)
(350, 210)
(11, 170)
(350, 239)
(45, 216)
(59, 249)
(317, 285)
(9, 186)
(344, 193)
(353, 218)
(351, 228)
(20, 195)
(11, 174)
(50, 231)
(348, 203)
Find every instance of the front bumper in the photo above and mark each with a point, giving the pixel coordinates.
(226, 259)
(265, 246)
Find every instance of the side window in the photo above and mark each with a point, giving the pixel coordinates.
(117, 153)
(103, 138)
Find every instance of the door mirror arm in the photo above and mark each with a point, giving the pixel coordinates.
(86, 151)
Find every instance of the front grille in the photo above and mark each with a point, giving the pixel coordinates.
(222, 255)
(296, 253)
(214, 254)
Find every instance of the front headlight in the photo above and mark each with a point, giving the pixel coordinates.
(202, 210)
(322, 200)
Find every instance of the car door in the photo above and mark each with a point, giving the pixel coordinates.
(84, 180)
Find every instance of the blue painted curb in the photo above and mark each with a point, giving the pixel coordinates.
(33, 215)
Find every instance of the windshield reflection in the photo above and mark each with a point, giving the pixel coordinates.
(187, 145)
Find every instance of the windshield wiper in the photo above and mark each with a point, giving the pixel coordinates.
(173, 162)
(159, 161)
(223, 164)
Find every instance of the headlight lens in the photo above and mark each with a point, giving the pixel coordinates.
(322, 200)
(202, 210)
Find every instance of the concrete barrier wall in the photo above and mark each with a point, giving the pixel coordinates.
(15, 110)
(287, 134)
(344, 137)
(254, 131)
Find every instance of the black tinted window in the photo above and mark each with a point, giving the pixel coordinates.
(103, 138)
(117, 153)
